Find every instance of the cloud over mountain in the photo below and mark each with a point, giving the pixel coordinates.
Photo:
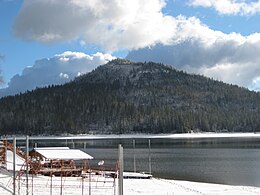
(232, 58)
(141, 27)
(57, 70)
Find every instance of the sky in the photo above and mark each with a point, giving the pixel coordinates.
(45, 42)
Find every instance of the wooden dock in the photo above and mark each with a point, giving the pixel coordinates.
(130, 175)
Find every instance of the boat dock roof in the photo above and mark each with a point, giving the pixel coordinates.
(62, 153)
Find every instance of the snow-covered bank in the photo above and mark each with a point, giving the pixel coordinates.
(208, 135)
(104, 186)
(169, 136)
(133, 136)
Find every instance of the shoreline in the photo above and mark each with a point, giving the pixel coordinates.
(140, 136)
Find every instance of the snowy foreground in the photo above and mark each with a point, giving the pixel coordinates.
(99, 185)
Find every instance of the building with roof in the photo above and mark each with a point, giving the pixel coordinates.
(58, 161)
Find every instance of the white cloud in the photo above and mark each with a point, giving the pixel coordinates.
(57, 70)
(115, 25)
(232, 58)
(242, 74)
(230, 7)
(112, 24)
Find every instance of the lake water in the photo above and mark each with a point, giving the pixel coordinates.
(233, 161)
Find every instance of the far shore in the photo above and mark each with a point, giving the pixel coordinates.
(139, 136)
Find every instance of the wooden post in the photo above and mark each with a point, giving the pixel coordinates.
(19, 183)
(51, 185)
(61, 163)
(89, 183)
(150, 163)
(5, 153)
(121, 170)
(73, 144)
(82, 187)
(14, 163)
(32, 185)
(134, 155)
(27, 168)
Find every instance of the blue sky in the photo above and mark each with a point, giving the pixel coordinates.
(52, 41)
(245, 25)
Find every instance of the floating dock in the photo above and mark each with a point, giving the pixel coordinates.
(130, 175)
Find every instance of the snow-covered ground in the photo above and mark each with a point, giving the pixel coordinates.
(100, 185)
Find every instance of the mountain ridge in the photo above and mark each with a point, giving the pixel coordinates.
(127, 97)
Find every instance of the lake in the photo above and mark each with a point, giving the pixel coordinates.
(228, 160)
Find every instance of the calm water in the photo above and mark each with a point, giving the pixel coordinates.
(214, 160)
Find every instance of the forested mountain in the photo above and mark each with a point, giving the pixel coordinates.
(127, 97)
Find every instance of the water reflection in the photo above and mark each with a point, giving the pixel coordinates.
(216, 160)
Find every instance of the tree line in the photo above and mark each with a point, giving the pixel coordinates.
(126, 97)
